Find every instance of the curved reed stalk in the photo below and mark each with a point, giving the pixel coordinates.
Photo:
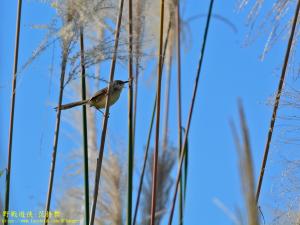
(106, 113)
(66, 43)
(57, 126)
(191, 111)
(130, 117)
(85, 134)
(12, 109)
(277, 100)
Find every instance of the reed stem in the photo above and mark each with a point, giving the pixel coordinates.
(191, 111)
(57, 126)
(144, 164)
(85, 134)
(149, 136)
(277, 100)
(130, 117)
(179, 124)
(156, 148)
(106, 114)
(12, 109)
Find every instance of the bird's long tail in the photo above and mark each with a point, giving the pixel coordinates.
(73, 104)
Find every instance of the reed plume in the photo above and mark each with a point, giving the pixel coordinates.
(246, 168)
(166, 163)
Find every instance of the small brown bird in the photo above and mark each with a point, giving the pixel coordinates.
(98, 100)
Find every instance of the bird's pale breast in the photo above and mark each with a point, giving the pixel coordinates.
(101, 100)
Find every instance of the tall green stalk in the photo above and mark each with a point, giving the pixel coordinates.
(191, 111)
(106, 114)
(130, 117)
(84, 132)
(12, 109)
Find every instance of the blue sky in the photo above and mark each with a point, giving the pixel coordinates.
(230, 71)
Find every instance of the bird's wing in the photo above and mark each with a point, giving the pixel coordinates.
(103, 91)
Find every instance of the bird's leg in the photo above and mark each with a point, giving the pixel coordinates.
(99, 110)
(131, 80)
(102, 112)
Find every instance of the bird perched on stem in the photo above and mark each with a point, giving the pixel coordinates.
(98, 100)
